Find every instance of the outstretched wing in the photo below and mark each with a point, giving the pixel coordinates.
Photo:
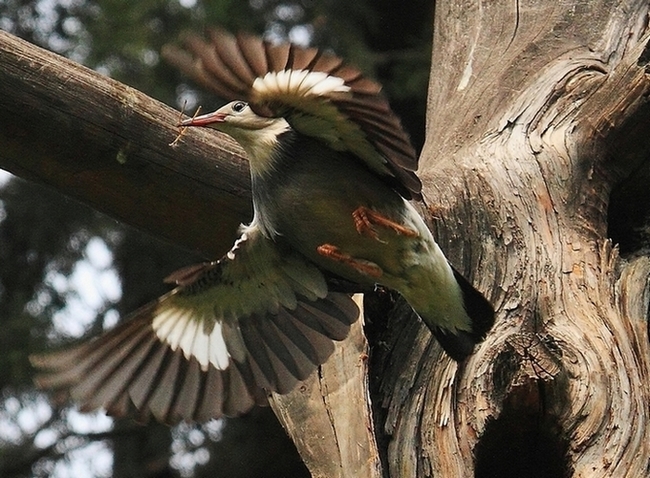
(258, 320)
(317, 94)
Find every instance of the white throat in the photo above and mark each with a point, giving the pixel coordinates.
(260, 144)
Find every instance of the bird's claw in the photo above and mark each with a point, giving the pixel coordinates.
(364, 267)
(365, 219)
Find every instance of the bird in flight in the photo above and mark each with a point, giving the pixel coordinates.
(333, 174)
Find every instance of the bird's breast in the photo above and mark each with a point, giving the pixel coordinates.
(311, 202)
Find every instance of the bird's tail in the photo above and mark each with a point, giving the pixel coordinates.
(460, 344)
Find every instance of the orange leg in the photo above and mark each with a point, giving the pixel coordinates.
(365, 219)
(365, 267)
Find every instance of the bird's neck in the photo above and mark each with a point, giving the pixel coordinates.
(263, 146)
(267, 159)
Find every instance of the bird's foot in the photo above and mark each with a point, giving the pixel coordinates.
(365, 219)
(364, 267)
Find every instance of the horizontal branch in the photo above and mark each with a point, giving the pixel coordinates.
(107, 145)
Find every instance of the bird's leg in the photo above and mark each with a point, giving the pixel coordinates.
(365, 267)
(365, 218)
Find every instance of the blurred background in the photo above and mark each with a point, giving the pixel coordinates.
(68, 272)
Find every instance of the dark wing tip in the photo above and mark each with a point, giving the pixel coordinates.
(460, 345)
(129, 371)
(287, 346)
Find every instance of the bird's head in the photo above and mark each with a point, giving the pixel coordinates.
(258, 135)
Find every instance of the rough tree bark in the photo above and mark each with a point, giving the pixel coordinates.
(537, 153)
(538, 111)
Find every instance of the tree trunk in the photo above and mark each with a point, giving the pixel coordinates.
(536, 157)
(537, 114)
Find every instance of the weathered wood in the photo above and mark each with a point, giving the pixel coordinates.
(107, 144)
(537, 110)
(329, 417)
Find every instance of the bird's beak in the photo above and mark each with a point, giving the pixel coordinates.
(205, 120)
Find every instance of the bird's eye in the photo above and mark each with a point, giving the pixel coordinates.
(239, 106)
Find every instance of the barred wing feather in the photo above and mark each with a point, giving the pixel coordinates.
(313, 90)
(258, 320)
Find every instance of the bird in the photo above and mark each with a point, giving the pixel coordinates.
(333, 181)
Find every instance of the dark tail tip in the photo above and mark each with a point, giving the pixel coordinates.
(460, 345)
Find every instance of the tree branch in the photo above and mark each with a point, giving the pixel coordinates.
(107, 145)
(329, 416)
